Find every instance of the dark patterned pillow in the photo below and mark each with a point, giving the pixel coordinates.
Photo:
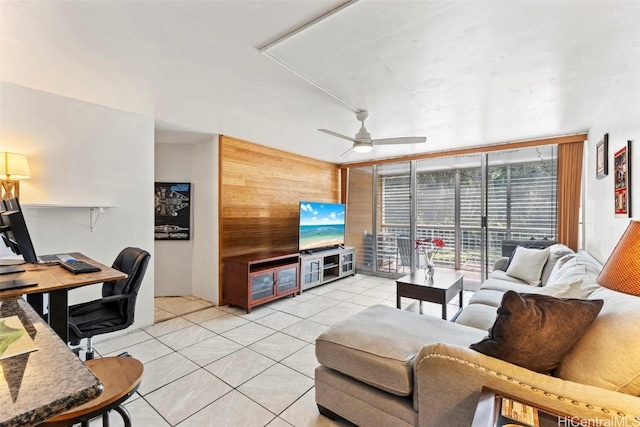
(536, 331)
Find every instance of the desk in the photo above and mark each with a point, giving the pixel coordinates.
(38, 385)
(57, 281)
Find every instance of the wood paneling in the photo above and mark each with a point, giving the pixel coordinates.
(359, 213)
(260, 191)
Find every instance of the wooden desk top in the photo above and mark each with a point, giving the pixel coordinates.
(38, 385)
(53, 277)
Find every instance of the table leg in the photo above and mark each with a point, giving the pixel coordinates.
(37, 302)
(59, 313)
(444, 308)
(397, 300)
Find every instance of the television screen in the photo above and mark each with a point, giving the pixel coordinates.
(321, 225)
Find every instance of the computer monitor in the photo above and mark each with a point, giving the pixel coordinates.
(14, 231)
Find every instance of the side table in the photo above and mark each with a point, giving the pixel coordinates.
(496, 409)
(440, 290)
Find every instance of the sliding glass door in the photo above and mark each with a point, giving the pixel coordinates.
(472, 202)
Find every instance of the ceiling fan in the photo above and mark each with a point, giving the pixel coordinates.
(362, 142)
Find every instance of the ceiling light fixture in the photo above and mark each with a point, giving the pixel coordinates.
(362, 147)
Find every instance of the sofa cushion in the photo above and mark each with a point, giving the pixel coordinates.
(490, 297)
(556, 252)
(502, 275)
(527, 264)
(566, 290)
(479, 316)
(608, 355)
(535, 331)
(377, 346)
(504, 286)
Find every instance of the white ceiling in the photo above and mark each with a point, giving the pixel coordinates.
(461, 73)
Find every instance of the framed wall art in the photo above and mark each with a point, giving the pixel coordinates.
(602, 155)
(172, 204)
(622, 181)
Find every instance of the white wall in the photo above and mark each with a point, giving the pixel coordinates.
(83, 154)
(206, 245)
(172, 267)
(191, 267)
(620, 118)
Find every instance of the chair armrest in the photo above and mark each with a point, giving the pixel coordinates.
(87, 307)
(500, 264)
(449, 378)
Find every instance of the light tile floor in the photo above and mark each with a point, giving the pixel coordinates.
(220, 366)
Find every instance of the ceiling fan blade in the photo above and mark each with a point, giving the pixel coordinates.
(330, 132)
(346, 152)
(402, 140)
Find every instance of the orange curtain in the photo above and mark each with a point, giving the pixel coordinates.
(569, 187)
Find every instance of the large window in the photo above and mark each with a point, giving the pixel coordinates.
(516, 197)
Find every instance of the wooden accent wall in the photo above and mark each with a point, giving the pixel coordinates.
(260, 191)
(359, 213)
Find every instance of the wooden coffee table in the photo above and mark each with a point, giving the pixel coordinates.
(444, 286)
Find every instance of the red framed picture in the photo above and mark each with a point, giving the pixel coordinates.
(622, 181)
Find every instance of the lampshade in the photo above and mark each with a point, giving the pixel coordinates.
(14, 166)
(622, 270)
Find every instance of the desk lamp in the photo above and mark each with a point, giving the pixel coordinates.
(13, 168)
(622, 270)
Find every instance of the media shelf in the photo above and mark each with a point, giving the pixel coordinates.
(326, 266)
(256, 278)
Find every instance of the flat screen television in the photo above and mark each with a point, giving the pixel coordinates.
(321, 225)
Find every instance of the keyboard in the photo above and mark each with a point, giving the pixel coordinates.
(77, 267)
(53, 259)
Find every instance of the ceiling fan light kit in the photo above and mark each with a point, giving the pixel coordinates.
(362, 147)
(362, 143)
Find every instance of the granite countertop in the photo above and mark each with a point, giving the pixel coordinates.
(38, 385)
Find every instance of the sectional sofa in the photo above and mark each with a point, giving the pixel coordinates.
(389, 367)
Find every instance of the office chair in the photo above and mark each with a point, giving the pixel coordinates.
(116, 309)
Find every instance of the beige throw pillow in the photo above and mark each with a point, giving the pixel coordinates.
(566, 290)
(527, 264)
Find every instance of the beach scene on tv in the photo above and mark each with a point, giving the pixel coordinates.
(321, 225)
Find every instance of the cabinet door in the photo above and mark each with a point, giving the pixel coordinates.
(347, 263)
(287, 278)
(311, 272)
(262, 284)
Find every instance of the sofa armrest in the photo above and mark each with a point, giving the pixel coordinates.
(500, 264)
(449, 379)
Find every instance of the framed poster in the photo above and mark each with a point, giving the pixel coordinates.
(172, 211)
(622, 181)
(602, 154)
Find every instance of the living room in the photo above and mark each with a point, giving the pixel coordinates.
(103, 143)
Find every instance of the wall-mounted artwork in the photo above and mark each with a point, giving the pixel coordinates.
(172, 211)
(622, 181)
(602, 154)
